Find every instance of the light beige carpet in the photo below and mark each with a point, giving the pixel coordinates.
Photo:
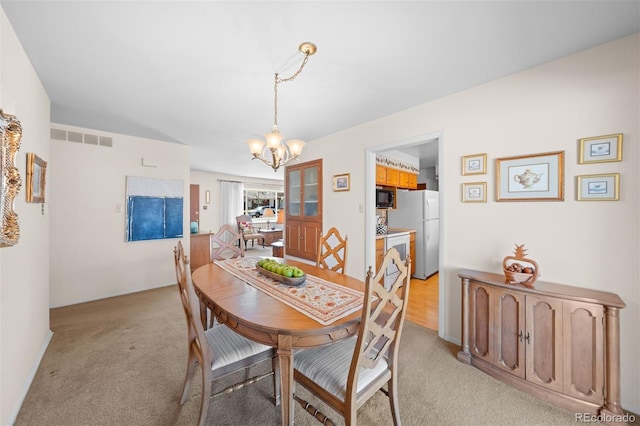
(121, 361)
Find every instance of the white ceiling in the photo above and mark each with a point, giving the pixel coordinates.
(201, 72)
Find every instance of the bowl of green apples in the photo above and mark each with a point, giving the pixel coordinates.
(286, 274)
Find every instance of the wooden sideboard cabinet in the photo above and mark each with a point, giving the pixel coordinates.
(557, 342)
(199, 250)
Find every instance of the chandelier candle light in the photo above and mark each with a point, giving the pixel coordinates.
(281, 154)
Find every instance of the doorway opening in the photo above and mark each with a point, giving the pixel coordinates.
(426, 151)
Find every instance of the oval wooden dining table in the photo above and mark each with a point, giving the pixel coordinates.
(262, 318)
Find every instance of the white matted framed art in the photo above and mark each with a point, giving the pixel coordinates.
(602, 187)
(600, 149)
(475, 164)
(534, 177)
(474, 192)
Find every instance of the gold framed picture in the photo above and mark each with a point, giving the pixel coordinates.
(601, 149)
(36, 173)
(534, 177)
(602, 187)
(342, 182)
(475, 164)
(474, 192)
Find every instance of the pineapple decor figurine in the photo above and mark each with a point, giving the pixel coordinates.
(516, 272)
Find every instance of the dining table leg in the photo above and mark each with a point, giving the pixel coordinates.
(285, 357)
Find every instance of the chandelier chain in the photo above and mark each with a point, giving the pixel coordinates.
(279, 80)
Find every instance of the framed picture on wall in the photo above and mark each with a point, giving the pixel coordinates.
(341, 182)
(602, 187)
(600, 149)
(474, 192)
(534, 177)
(36, 172)
(475, 164)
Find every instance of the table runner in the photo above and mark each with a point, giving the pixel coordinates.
(320, 300)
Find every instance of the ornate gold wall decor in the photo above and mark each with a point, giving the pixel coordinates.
(10, 178)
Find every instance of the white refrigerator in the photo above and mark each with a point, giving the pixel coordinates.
(420, 210)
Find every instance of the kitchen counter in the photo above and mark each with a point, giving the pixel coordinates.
(395, 231)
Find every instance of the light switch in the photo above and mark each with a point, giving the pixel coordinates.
(118, 208)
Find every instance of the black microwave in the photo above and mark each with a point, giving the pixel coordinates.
(384, 198)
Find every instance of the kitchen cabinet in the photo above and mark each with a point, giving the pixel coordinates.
(381, 175)
(386, 176)
(379, 251)
(303, 194)
(557, 342)
(393, 177)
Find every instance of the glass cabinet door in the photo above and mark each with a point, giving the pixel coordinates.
(293, 193)
(310, 191)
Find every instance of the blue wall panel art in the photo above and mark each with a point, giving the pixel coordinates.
(154, 209)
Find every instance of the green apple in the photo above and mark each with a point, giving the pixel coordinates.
(298, 272)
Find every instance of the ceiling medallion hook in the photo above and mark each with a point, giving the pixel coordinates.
(281, 154)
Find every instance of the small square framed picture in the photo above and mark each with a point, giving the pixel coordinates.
(474, 164)
(342, 182)
(474, 192)
(600, 149)
(603, 187)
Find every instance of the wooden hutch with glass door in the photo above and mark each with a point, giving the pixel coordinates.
(303, 195)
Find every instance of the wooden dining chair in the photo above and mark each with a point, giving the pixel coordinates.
(332, 251)
(346, 374)
(227, 243)
(219, 350)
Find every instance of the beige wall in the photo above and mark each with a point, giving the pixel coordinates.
(548, 108)
(24, 268)
(90, 258)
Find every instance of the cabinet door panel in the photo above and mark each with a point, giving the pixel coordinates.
(544, 341)
(381, 175)
(509, 334)
(583, 327)
(293, 193)
(481, 316)
(393, 177)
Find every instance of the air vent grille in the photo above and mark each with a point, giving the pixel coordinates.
(90, 139)
(74, 137)
(58, 134)
(77, 137)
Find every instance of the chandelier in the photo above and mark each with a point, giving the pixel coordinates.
(281, 154)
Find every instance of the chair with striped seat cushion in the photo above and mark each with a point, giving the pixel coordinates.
(219, 350)
(346, 374)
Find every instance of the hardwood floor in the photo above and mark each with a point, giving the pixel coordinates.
(423, 302)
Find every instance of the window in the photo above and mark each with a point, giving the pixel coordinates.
(257, 200)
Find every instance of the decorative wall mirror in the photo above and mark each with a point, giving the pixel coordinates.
(10, 178)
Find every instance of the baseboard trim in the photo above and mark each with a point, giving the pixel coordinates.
(32, 374)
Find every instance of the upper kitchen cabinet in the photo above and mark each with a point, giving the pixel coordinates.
(396, 174)
(303, 194)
